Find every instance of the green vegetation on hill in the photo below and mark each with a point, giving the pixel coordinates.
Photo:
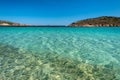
(99, 21)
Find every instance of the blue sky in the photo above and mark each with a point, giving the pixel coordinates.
(54, 12)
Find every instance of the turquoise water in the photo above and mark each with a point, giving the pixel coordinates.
(60, 53)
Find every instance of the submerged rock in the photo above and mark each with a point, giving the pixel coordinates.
(16, 64)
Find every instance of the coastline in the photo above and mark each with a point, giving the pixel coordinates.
(89, 26)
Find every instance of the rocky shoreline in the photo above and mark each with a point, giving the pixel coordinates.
(9, 23)
(103, 21)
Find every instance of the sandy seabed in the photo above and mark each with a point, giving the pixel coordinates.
(18, 64)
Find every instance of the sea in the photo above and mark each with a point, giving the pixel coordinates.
(59, 53)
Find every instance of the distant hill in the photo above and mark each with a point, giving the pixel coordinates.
(8, 23)
(99, 21)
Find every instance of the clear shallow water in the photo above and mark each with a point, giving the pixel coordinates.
(59, 53)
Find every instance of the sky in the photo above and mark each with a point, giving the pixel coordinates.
(56, 12)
